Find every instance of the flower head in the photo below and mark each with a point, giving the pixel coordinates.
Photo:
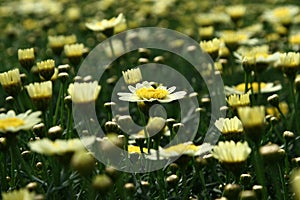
(26, 57)
(295, 182)
(187, 149)
(84, 92)
(252, 116)
(146, 92)
(211, 47)
(11, 81)
(236, 12)
(46, 68)
(253, 120)
(73, 50)
(136, 149)
(58, 147)
(40, 93)
(57, 43)
(289, 62)
(230, 127)
(106, 24)
(264, 88)
(10, 122)
(231, 152)
(283, 14)
(23, 194)
(236, 100)
(132, 76)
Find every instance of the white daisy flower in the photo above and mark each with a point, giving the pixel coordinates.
(265, 88)
(187, 148)
(59, 147)
(106, 24)
(145, 92)
(10, 122)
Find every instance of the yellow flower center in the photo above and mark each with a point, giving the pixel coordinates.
(283, 12)
(10, 122)
(181, 148)
(151, 93)
(241, 87)
(136, 149)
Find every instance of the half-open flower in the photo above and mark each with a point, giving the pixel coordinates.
(232, 155)
(146, 92)
(11, 81)
(84, 92)
(40, 94)
(232, 128)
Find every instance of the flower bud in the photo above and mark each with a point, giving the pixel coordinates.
(112, 127)
(248, 195)
(232, 191)
(144, 53)
(159, 59)
(274, 100)
(288, 135)
(129, 188)
(245, 179)
(142, 61)
(271, 153)
(55, 132)
(112, 172)
(258, 191)
(172, 180)
(39, 130)
(3, 144)
(31, 186)
(102, 183)
(64, 68)
(39, 165)
(83, 162)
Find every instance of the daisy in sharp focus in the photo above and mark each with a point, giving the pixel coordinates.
(10, 122)
(146, 92)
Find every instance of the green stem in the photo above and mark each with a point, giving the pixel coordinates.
(57, 105)
(282, 116)
(296, 113)
(246, 81)
(62, 105)
(185, 186)
(4, 173)
(145, 130)
(13, 172)
(69, 125)
(202, 180)
(260, 172)
(282, 181)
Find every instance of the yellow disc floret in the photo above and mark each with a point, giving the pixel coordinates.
(151, 93)
(10, 122)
